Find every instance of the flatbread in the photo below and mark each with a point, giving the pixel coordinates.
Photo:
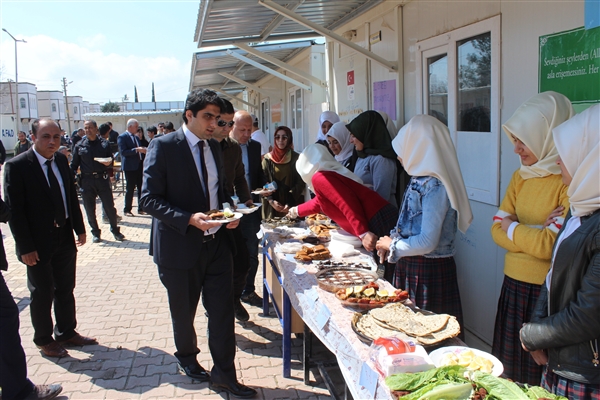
(371, 328)
(412, 323)
(452, 329)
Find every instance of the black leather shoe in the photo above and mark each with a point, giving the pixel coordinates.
(96, 239)
(240, 312)
(253, 299)
(44, 392)
(119, 236)
(195, 371)
(235, 389)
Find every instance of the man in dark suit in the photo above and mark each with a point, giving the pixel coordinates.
(40, 191)
(13, 365)
(250, 224)
(132, 164)
(184, 179)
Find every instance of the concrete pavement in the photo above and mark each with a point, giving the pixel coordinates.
(122, 303)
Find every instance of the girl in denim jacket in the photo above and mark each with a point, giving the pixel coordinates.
(435, 203)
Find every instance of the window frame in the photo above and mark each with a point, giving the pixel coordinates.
(447, 43)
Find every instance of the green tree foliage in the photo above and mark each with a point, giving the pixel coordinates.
(110, 107)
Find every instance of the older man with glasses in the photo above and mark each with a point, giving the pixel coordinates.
(250, 224)
(236, 184)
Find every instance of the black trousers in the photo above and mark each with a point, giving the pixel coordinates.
(52, 281)
(211, 276)
(98, 187)
(134, 180)
(13, 367)
(241, 263)
(250, 225)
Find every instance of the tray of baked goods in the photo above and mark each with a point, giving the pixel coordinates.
(361, 264)
(317, 219)
(279, 222)
(400, 320)
(309, 254)
(336, 278)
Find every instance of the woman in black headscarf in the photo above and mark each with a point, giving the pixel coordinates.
(376, 164)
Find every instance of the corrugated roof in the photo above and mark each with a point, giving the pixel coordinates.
(227, 22)
(221, 22)
(207, 65)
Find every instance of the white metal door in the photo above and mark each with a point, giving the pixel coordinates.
(295, 117)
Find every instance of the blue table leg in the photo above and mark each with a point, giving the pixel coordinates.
(287, 336)
(265, 298)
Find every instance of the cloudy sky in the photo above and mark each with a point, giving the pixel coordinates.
(103, 47)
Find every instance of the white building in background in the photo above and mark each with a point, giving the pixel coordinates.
(51, 104)
(26, 102)
(75, 104)
(144, 118)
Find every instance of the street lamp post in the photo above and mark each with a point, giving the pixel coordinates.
(16, 78)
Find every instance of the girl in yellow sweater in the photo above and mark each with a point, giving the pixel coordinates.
(526, 225)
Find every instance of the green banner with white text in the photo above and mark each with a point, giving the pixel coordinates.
(569, 63)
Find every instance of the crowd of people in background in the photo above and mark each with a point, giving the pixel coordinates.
(401, 192)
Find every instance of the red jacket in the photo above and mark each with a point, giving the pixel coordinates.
(350, 204)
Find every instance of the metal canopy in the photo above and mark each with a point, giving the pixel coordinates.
(210, 68)
(225, 22)
(246, 23)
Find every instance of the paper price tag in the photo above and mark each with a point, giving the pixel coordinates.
(368, 379)
(311, 295)
(323, 315)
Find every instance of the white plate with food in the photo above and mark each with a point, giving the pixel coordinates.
(103, 159)
(472, 359)
(219, 216)
(244, 209)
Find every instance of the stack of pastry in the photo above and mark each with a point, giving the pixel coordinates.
(319, 252)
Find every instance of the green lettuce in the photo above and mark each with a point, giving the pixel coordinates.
(414, 381)
(454, 391)
(499, 388)
(537, 392)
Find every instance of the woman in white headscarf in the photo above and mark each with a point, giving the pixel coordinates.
(341, 196)
(326, 121)
(338, 138)
(526, 225)
(564, 331)
(435, 202)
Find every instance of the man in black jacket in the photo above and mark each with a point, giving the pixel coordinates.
(13, 365)
(40, 191)
(183, 180)
(95, 180)
(236, 185)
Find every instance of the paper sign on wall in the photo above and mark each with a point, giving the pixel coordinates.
(384, 97)
(276, 113)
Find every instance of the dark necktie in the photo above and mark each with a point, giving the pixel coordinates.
(57, 198)
(137, 144)
(204, 172)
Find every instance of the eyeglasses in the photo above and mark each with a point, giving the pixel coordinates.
(225, 123)
(281, 137)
